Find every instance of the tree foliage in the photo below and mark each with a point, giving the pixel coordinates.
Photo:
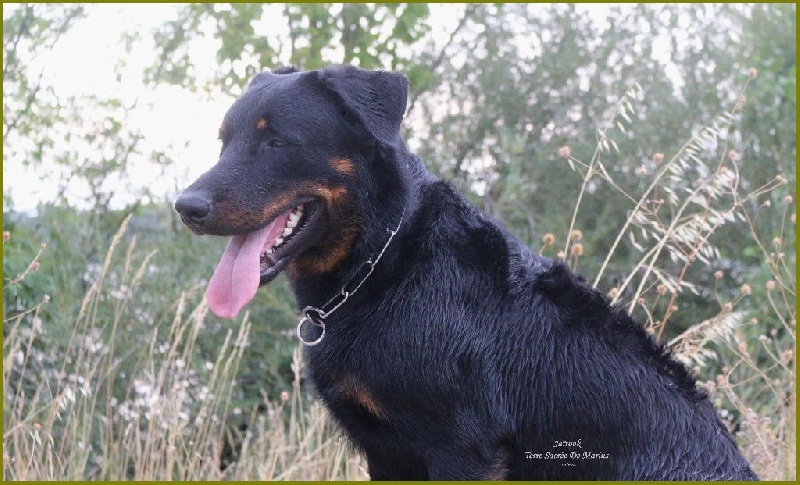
(316, 34)
(29, 34)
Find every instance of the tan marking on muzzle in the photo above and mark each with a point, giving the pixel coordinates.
(331, 193)
(322, 258)
(271, 211)
(237, 218)
(325, 258)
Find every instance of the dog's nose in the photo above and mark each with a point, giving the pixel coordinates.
(193, 207)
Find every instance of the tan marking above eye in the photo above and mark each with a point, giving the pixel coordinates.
(261, 124)
(343, 165)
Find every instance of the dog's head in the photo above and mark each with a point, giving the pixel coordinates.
(295, 149)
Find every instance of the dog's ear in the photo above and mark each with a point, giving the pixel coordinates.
(259, 79)
(285, 70)
(376, 98)
(262, 77)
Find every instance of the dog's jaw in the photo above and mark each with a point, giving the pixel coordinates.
(254, 259)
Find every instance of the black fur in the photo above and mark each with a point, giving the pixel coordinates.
(464, 355)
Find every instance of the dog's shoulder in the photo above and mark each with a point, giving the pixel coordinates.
(447, 227)
(585, 311)
(450, 228)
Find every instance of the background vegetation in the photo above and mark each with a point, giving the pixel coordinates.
(654, 149)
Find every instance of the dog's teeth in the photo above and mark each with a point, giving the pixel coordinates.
(287, 231)
(270, 250)
(294, 218)
(278, 242)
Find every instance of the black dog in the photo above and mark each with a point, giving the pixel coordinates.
(442, 345)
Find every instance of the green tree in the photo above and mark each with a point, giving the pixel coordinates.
(30, 31)
(30, 111)
(527, 80)
(369, 35)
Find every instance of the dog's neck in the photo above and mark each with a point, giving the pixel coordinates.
(393, 200)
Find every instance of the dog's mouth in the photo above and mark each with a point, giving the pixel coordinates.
(254, 259)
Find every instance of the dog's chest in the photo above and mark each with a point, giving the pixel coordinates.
(353, 392)
(350, 392)
(352, 376)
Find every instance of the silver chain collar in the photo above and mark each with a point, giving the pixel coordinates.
(316, 316)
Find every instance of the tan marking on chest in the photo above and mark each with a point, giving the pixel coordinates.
(353, 390)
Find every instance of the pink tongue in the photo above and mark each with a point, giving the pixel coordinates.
(235, 281)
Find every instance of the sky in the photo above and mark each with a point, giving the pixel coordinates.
(83, 61)
(170, 118)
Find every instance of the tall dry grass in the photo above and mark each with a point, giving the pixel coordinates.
(749, 364)
(168, 422)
